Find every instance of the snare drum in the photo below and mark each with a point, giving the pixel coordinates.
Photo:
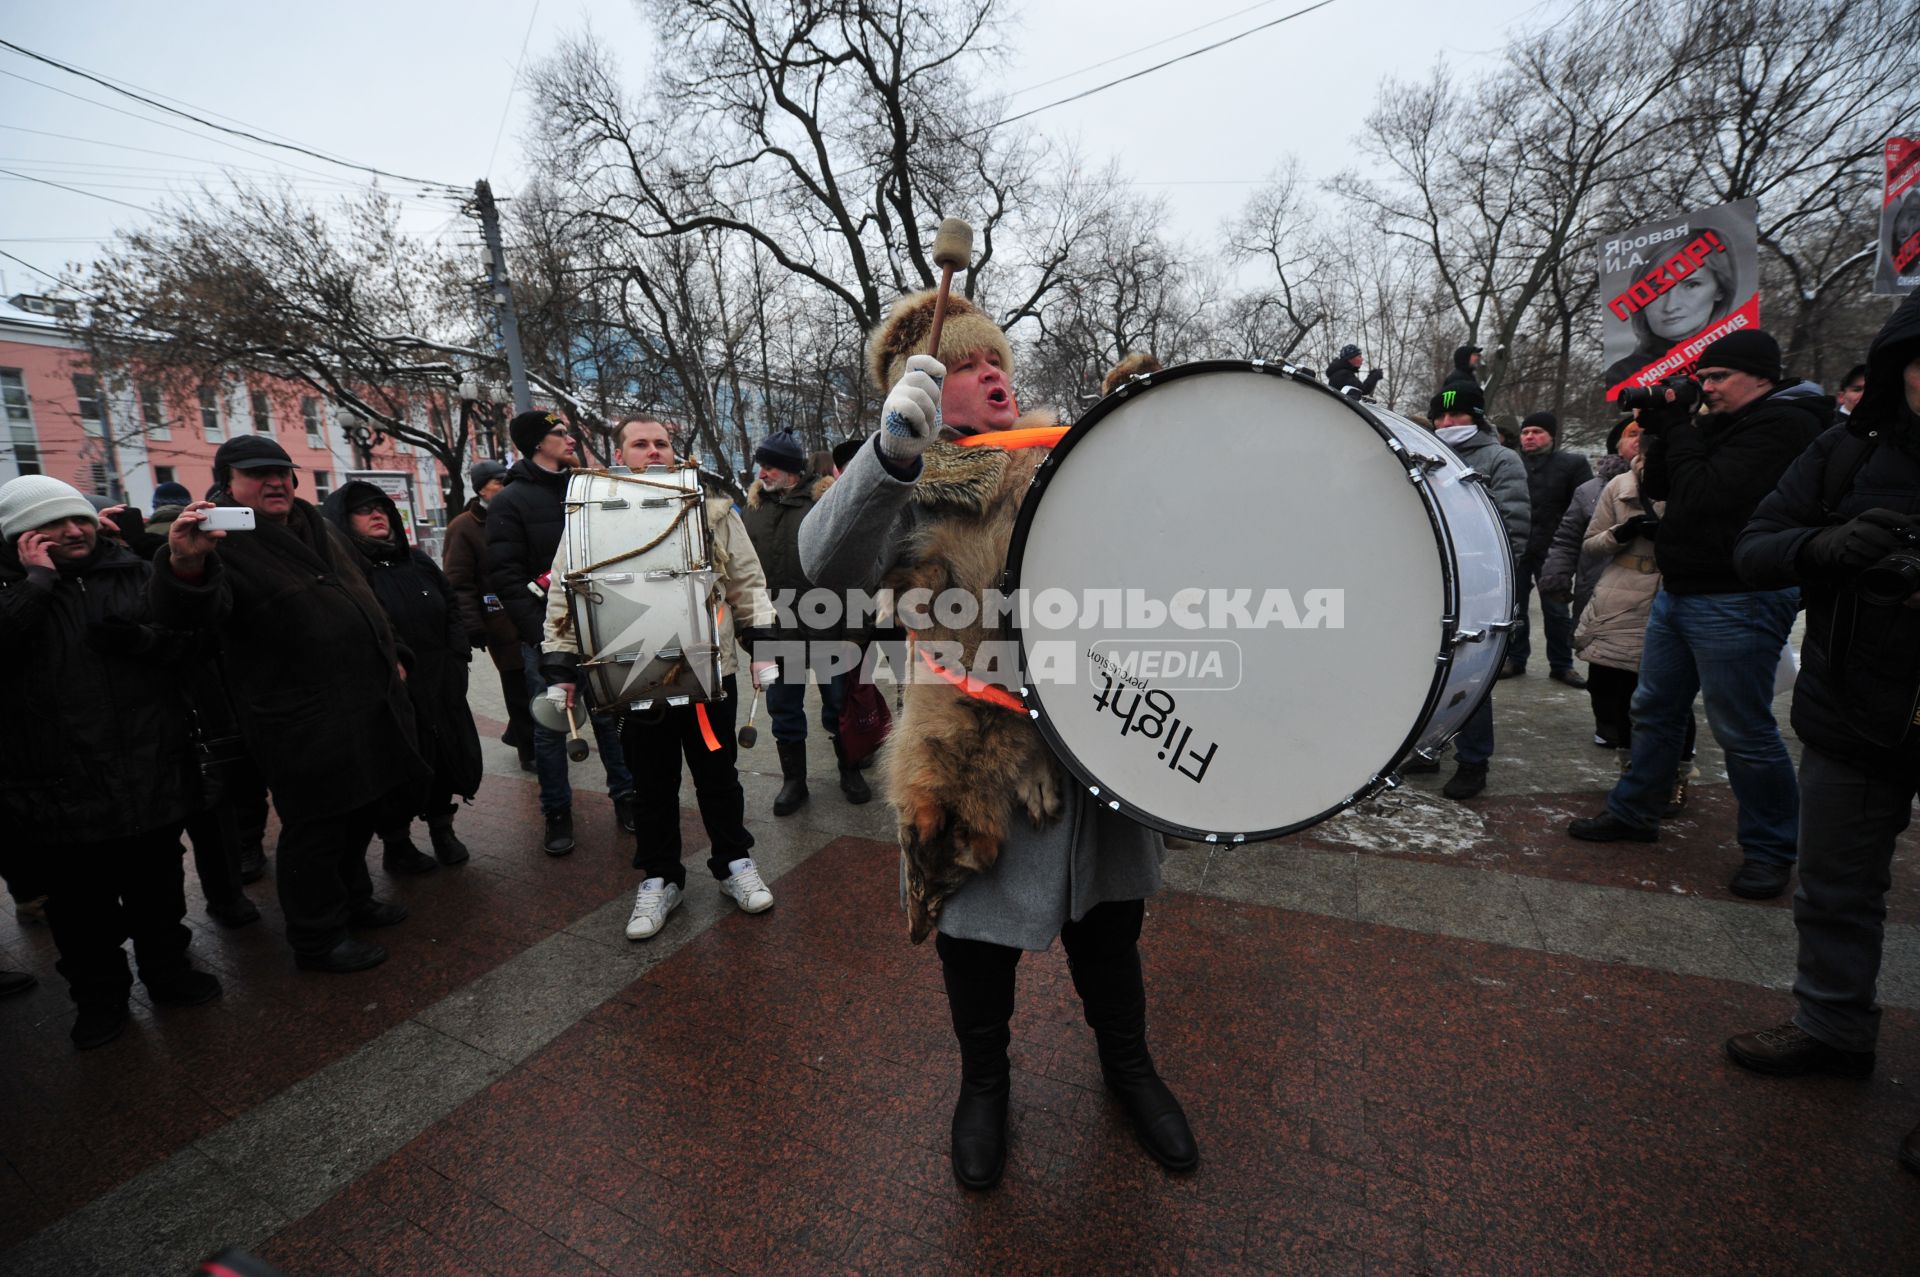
(1244, 599)
(641, 586)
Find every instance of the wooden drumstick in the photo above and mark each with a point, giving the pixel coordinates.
(952, 250)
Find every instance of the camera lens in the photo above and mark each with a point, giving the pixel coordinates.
(1891, 581)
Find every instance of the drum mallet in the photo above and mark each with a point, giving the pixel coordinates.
(576, 743)
(952, 250)
(749, 733)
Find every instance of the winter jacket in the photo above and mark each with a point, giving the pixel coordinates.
(481, 611)
(773, 520)
(1713, 472)
(419, 602)
(1506, 478)
(1858, 692)
(1612, 627)
(1568, 574)
(872, 525)
(1343, 377)
(1552, 478)
(1462, 377)
(311, 662)
(743, 585)
(98, 744)
(523, 528)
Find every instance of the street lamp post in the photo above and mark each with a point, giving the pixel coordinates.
(353, 428)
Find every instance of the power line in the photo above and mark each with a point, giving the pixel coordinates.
(1121, 57)
(29, 265)
(76, 190)
(507, 107)
(188, 115)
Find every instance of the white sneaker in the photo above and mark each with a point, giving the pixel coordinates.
(656, 899)
(746, 887)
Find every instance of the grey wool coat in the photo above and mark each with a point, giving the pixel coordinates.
(861, 530)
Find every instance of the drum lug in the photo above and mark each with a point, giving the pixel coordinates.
(1501, 627)
(1470, 636)
(615, 503)
(1474, 476)
(654, 503)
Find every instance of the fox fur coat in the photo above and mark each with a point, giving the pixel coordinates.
(998, 843)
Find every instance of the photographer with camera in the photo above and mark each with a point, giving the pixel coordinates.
(316, 678)
(1709, 631)
(1844, 525)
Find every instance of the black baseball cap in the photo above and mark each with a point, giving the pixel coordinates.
(250, 452)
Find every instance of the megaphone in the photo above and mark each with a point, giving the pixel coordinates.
(555, 719)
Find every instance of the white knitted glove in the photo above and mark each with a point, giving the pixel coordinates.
(910, 420)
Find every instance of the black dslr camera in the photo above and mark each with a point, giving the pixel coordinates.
(1895, 578)
(1685, 391)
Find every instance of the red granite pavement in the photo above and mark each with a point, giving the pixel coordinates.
(773, 1098)
(73, 1125)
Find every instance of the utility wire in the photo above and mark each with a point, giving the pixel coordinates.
(76, 190)
(1121, 57)
(201, 120)
(506, 107)
(29, 265)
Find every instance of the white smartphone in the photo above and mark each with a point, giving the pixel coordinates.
(227, 518)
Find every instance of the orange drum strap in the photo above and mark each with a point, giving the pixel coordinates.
(974, 687)
(706, 729)
(1025, 437)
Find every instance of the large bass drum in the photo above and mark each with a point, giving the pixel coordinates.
(641, 588)
(1244, 599)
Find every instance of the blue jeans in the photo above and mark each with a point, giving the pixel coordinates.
(787, 705)
(1727, 647)
(550, 747)
(1556, 618)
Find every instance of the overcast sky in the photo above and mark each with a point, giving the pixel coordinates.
(419, 87)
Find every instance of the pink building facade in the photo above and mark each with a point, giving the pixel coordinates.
(58, 418)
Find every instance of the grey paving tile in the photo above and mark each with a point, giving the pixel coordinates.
(1607, 924)
(1439, 899)
(1285, 877)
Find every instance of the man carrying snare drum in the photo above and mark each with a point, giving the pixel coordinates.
(655, 740)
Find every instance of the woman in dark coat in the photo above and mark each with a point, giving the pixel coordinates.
(425, 613)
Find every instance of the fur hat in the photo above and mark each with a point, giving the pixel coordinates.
(1545, 420)
(529, 428)
(35, 500)
(904, 332)
(1136, 365)
(781, 450)
(1751, 350)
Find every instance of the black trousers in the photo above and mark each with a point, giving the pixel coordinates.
(977, 971)
(101, 894)
(1610, 689)
(654, 748)
(321, 873)
(215, 836)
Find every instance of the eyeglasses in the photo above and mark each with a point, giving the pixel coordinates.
(1715, 377)
(559, 430)
(264, 473)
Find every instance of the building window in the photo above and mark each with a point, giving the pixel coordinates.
(97, 473)
(262, 412)
(86, 389)
(19, 412)
(310, 415)
(322, 485)
(210, 414)
(153, 413)
(162, 474)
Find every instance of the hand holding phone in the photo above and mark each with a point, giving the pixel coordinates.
(227, 518)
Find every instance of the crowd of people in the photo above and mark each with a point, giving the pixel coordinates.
(180, 672)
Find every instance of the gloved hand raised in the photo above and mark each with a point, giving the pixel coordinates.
(1640, 525)
(1847, 547)
(910, 419)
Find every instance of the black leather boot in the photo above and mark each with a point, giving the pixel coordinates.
(981, 1001)
(400, 856)
(852, 783)
(447, 847)
(793, 766)
(1114, 995)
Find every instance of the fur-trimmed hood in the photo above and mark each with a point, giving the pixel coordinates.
(757, 495)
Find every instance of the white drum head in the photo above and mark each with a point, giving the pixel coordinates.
(1286, 522)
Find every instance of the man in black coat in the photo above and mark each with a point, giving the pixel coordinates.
(317, 680)
(1851, 501)
(1710, 632)
(1466, 370)
(1343, 374)
(523, 531)
(419, 601)
(1552, 478)
(777, 503)
(98, 756)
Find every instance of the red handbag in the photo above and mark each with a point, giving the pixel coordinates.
(865, 720)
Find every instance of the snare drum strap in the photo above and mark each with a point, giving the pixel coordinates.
(974, 687)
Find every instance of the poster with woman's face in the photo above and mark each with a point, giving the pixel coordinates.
(1670, 288)
(1898, 269)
